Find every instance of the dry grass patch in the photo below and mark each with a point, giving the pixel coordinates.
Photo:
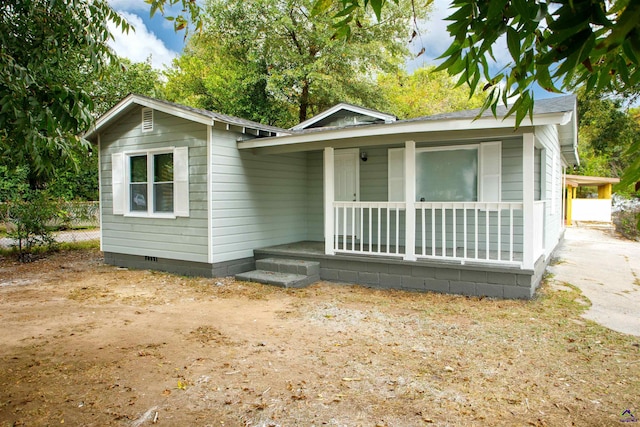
(90, 344)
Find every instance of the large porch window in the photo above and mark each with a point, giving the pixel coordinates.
(463, 173)
(447, 175)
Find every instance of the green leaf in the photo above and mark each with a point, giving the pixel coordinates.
(544, 79)
(376, 6)
(496, 9)
(513, 43)
(321, 7)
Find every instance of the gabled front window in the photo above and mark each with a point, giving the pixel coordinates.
(151, 183)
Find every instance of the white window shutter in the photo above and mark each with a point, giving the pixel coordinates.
(490, 167)
(181, 181)
(396, 175)
(118, 183)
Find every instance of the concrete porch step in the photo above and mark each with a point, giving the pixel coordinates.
(293, 266)
(284, 280)
(287, 273)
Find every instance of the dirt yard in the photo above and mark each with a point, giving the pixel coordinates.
(87, 344)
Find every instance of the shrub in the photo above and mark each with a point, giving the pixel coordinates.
(28, 218)
(627, 223)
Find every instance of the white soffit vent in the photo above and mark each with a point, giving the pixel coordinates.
(147, 119)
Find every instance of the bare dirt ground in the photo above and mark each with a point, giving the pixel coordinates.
(93, 345)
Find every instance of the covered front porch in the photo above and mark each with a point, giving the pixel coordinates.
(491, 231)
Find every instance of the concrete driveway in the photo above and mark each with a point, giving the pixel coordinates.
(607, 270)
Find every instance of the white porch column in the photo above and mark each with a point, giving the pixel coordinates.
(329, 196)
(528, 159)
(410, 200)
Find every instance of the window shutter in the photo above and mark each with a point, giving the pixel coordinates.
(117, 183)
(181, 181)
(147, 119)
(396, 175)
(490, 167)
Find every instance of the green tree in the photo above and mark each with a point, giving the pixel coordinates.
(41, 110)
(606, 133)
(281, 53)
(424, 93)
(551, 42)
(121, 78)
(209, 76)
(558, 44)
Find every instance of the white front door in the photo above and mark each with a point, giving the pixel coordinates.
(347, 187)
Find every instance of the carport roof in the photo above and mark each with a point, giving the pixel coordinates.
(589, 181)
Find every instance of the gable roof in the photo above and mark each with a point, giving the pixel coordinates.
(339, 112)
(197, 115)
(560, 111)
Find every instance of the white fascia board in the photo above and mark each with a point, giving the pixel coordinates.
(399, 128)
(174, 111)
(123, 105)
(342, 106)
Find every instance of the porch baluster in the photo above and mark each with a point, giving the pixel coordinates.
(397, 230)
(444, 231)
(499, 233)
(454, 230)
(486, 228)
(511, 233)
(464, 221)
(424, 233)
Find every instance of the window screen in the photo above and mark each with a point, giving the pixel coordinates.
(163, 182)
(447, 175)
(138, 183)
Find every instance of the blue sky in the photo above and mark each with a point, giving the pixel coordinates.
(155, 38)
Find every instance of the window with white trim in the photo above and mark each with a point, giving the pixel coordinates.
(151, 183)
(465, 173)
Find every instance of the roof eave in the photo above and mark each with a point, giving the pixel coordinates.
(132, 99)
(341, 106)
(403, 127)
(124, 105)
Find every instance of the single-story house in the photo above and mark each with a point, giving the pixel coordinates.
(445, 203)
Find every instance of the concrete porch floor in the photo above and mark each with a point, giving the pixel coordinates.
(317, 249)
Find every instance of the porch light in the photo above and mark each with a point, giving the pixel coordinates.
(363, 156)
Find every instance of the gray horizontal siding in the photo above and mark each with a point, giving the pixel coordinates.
(547, 139)
(179, 238)
(315, 198)
(257, 201)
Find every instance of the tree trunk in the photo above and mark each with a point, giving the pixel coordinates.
(304, 101)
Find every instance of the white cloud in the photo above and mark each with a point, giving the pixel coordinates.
(138, 45)
(129, 5)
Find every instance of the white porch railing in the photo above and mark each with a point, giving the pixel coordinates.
(371, 228)
(488, 232)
